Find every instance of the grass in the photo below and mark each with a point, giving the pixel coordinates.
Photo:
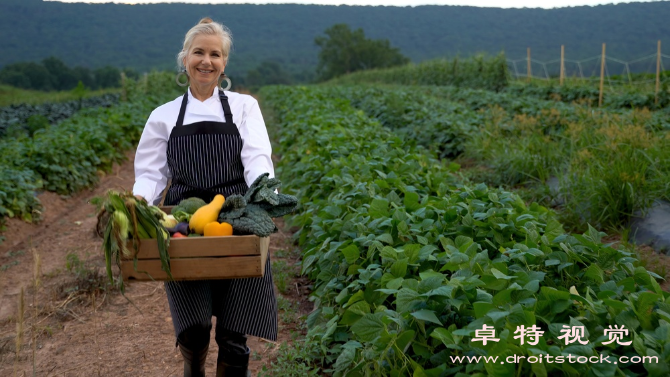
(10, 95)
(609, 165)
(288, 310)
(88, 279)
(293, 360)
(282, 273)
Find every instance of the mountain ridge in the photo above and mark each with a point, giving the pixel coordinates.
(146, 36)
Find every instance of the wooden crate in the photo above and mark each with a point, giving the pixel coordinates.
(200, 258)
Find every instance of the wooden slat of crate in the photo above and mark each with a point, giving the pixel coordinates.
(201, 258)
(202, 247)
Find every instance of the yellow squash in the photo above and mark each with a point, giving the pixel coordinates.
(218, 229)
(206, 214)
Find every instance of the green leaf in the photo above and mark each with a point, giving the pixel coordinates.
(532, 286)
(358, 296)
(553, 229)
(500, 275)
(427, 315)
(443, 335)
(445, 290)
(354, 312)
(406, 299)
(345, 359)
(379, 208)
(539, 369)
(554, 294)
(481, 308)
(385, 238)
(411, 201)
(395, 283)
(351, 253)
(430, 283)
(496, 315)
(594, 235)
(595, 273)
(399, 268)
(404, 339)
(369, 327)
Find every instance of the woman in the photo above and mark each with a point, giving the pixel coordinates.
(209, 142)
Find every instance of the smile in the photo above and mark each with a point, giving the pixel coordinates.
(204, 70)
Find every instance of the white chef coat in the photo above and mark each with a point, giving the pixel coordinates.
(151, 169)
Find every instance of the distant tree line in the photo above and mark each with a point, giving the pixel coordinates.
(95, 35)
(52, 74)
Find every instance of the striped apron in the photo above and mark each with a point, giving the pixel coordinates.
(204, 159)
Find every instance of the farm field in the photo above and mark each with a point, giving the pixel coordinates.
(426, 213)
(410, 258)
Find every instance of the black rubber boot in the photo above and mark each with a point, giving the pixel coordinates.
(233, 360)
(232, 365)
(194, 344)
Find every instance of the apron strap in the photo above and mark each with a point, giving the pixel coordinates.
(226, 107)
(182, 110)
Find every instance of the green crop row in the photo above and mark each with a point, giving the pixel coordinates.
(26, 118)
(596, 166)
(477, 72)
(411, 268)
(620, 98)
(68, 158)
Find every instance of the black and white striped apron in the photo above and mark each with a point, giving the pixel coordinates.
(204, 159)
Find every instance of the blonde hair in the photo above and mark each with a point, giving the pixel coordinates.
(207, 27)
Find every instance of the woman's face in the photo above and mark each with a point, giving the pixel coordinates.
(205, 61)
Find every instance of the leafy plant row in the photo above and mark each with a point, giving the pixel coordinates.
(68, 158)
(26, 118)
(621, 98)
(409, 265)
(477, 72)
(528, 141)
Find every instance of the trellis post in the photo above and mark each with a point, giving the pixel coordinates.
(602, 77)
(562, 64)
(658, 71)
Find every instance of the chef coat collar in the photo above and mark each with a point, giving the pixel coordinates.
(210, 106)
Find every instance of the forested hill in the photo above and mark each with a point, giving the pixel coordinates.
(149, 36)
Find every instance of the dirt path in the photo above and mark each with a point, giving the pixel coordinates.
(79, 328)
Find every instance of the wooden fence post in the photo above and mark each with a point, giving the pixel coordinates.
(658, 70)
(562, 64)
(602, 77)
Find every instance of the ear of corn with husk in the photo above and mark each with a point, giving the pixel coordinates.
(121, 216)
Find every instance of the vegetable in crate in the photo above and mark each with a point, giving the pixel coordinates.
(123, 217)
(186, 208)
(253, 212)
(206, 214)
(218, 229)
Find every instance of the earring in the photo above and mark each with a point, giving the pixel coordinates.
(182, 72)
(226, 79)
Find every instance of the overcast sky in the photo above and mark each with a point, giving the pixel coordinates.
(477, 3)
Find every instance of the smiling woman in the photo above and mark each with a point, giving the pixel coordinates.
(204, 56)
(209, 142)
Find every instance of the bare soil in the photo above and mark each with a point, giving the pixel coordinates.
(73, 325)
